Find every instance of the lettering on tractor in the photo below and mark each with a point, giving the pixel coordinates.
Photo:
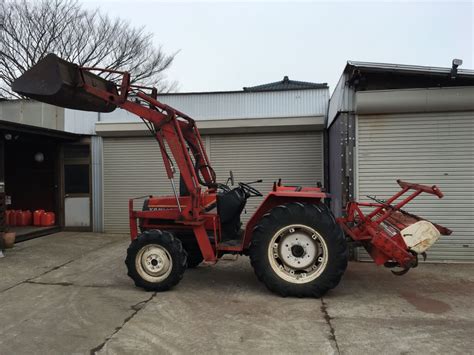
(296, 246)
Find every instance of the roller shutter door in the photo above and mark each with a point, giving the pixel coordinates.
(296, 158)
(133, 166)
(429, 149)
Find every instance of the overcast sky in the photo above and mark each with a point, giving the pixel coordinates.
(228, 45)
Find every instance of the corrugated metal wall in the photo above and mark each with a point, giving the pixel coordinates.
(82, 122)
(133, 166)
(338, 171)
(435, 148)
(342, 99)
(97, 186)
(252, 104)
(229, 105)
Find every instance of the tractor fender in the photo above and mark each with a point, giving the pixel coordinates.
(280, 197)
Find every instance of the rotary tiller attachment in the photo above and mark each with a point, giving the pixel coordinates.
(393, 237)
(58, 82)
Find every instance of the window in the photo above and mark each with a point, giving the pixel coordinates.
(76, 179)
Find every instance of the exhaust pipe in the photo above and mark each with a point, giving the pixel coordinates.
(58, 82)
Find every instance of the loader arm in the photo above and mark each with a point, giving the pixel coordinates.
(61, 83)
(170, 126)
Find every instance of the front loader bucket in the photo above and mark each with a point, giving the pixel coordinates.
(58, 82)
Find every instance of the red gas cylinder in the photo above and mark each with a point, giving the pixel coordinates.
(37, 217)
(13, 218)
(8, 217)
(17, 218)
(47, 219)
(26, 218)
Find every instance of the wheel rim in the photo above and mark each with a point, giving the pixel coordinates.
(298, 254)
(153, 263)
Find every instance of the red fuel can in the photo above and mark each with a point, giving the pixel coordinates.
(26, 218)
(13, 218)
(16, 219)
(8, 217)
(37, 217)
(48, 219)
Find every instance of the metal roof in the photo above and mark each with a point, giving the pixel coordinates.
(403, 68)
(389, 77)
(286, 84)
(283, 85)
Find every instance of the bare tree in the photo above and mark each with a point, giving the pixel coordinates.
(30, 30)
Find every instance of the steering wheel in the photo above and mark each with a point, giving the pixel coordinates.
(249, 190)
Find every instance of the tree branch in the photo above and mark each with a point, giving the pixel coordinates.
(30, 30)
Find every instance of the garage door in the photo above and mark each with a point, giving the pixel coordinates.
(133, 166)
(296, 158)
(430, 149)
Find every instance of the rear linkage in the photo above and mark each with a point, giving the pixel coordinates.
(392, 236)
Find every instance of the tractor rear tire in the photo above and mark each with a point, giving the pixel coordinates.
(156, 260)
(299, 250)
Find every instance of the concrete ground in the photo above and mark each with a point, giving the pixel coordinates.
(69, 293)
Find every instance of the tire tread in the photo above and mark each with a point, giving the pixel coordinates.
(174, 247)
(317, 216)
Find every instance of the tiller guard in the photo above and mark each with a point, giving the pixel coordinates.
(392, 236)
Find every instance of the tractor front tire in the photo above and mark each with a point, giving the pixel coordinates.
(156, 260)
(299, 250)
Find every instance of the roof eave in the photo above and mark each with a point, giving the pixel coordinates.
(402, 68)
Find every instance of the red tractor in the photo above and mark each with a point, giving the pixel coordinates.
(296, 246)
